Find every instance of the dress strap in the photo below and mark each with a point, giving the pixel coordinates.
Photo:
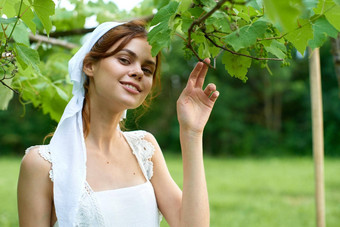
(44, 152)
(142, 149)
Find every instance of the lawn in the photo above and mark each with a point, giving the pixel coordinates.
(243, 192)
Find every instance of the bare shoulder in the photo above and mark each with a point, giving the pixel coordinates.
(33, 164)
(157, 158)
(150, 138)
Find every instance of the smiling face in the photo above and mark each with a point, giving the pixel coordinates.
(125, 78)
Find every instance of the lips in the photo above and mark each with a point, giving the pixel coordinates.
(131, 86)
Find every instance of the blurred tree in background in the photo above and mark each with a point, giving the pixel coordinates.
(269, 115)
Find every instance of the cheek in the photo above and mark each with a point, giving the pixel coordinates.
(149, 84)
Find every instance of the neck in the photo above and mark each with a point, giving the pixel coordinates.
(104, 133)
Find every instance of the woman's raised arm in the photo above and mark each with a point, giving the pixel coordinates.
(190, 207)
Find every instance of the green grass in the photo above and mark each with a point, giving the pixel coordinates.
(243, 192)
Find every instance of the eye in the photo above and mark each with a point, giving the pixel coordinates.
(124, 61)
(147, 71)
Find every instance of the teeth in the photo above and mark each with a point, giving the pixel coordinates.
(130, 86)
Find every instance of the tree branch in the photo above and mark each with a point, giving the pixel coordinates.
(82, 31)
(77, 31)
(3, 83)
(53, 41)
(236, 53)
(197, 22)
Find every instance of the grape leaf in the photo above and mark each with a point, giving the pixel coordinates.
(323, 5)
(337, 2)
(8, 21)
(44, 9)
(184, 5)
(165, 13)
(237, 66)
(27, 56)
(247, 35)
(27, 17)
(159, 37)
(6, 94)
(220, 21)
(333, 16)
(7, 7)
(322, 29)
(186, 21)
(203, 50)
(276, 48)
(300, 37)
(20, 34)
(284, 13)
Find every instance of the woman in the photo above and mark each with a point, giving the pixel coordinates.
(92, 173)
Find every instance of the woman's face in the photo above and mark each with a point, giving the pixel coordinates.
(125, 78)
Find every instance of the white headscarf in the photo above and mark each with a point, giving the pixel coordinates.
(67, 145)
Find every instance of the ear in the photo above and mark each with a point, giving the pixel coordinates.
(89, 68)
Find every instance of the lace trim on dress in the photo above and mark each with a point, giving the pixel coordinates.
(88, 210)
(143, 150)
(45, 153)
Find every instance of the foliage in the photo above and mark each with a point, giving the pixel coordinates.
(252, 125)
(245, 30)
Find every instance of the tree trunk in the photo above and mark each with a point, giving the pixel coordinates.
(318, 143)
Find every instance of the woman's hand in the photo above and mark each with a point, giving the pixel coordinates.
(195, 104)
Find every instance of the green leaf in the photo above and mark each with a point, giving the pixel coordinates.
(220, 21)
(159, 37)
(20, 34)
(333, 16)
(44, 9)
(28, 17)
(198, 37)
(6, 94)
(255, 4)
(27, 56)
(237, 66)
(337, 2)
(247, 35)
(276, 48)
(7, 7)
(8, 21)
(283, 13)
(165, 13)
(184, 5)
(203, 50)
(54, 100)
(186, 21)
(322, 29)
(300, 37)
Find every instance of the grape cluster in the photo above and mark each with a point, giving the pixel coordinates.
(8, 67)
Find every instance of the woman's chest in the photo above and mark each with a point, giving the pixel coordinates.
(107, 173)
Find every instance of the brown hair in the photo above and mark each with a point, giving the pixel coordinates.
(125, 32)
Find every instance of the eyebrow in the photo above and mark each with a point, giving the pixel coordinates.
(133, 54)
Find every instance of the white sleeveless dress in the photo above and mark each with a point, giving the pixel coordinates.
(130, 206)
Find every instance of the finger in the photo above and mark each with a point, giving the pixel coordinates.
(195, 72)
(214, 96)
(202, 74)
(209, 89)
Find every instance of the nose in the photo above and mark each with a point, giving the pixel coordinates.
(137, 73)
